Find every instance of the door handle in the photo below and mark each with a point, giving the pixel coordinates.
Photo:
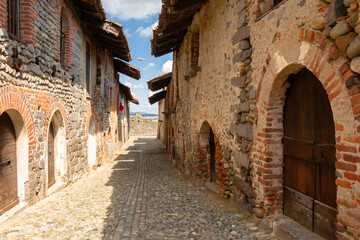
(6, 162)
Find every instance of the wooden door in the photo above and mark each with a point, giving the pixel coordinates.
(51, 157)
(8, 167)
(212, 157)
(309, 150)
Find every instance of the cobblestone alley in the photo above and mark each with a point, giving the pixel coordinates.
(139, 195)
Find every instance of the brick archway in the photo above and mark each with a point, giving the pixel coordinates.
(267, 150)
(56, 116)
(13, 98)
(56, 105)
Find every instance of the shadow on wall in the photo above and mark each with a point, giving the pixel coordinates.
(127, 210)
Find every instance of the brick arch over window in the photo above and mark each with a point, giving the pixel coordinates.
(267, 149)
(69, 29)
(13, 98)
(56, 105)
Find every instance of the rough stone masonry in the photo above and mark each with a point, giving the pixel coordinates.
(54, 73)
(142, 126)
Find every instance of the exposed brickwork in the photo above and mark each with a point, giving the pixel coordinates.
(53, 106)
(13, 98)
(28, 18)
(3, 13)
(42, 91)
(260, 47)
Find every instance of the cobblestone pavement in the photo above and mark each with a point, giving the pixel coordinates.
(139, 195)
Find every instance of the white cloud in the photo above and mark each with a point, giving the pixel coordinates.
(148, 66)
(127, 32)
(167, 67)
(130, 85)
(133, 94)
(146, 31)
(128, 9)
(139, 86)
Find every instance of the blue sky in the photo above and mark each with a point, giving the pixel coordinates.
(138, 18)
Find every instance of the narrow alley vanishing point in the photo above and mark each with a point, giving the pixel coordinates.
(139, 195)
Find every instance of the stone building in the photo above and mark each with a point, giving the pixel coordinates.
(63, 111)
(155, 84)
(264, 102)
(143, 126)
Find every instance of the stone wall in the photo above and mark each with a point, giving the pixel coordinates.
(319, 36)
(204, 95)
(246, 51)
(41, 91)
(141, 126)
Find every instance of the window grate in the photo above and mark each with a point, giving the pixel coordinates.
(13, 17)
(62, 43)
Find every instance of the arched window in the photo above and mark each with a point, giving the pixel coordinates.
(13, 17)
(63, 25)
(110, 97)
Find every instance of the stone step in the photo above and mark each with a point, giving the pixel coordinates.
(287, 229)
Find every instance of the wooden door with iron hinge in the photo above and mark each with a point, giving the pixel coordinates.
(309, 155)
(8, 165)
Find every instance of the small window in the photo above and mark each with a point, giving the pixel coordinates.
(98, 68)
(266, 6)
(13, 17)
(88, 67)
(62, 40)
(111, 97)
(277, 2)
(194, 49)
(106, 62)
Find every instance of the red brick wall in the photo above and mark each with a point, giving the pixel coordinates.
(3, 14)
(28, 16)
(70, 27)
(267, 150)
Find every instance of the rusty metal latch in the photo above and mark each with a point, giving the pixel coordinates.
(6, 162)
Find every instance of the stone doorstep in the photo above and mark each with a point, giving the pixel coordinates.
(212, 187)
(21, 206)
(287, 229)
(55, 188)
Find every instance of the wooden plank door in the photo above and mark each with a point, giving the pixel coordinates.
(8, 164)
(51, 157)
(212, 157)
(309, 154)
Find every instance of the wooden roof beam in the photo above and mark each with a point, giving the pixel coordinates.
(127, 69)
(186, 4)
(157, 97)
(159, 82)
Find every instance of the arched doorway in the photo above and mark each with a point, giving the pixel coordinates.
(207, 151)
(309, 155)
(51, 156)
(91, 144)
(56, 162)
(8, 164)
(212, 156)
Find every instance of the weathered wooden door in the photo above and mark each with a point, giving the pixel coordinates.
(212, 157)
(8, 168)
(309, 150)
(51, 157)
